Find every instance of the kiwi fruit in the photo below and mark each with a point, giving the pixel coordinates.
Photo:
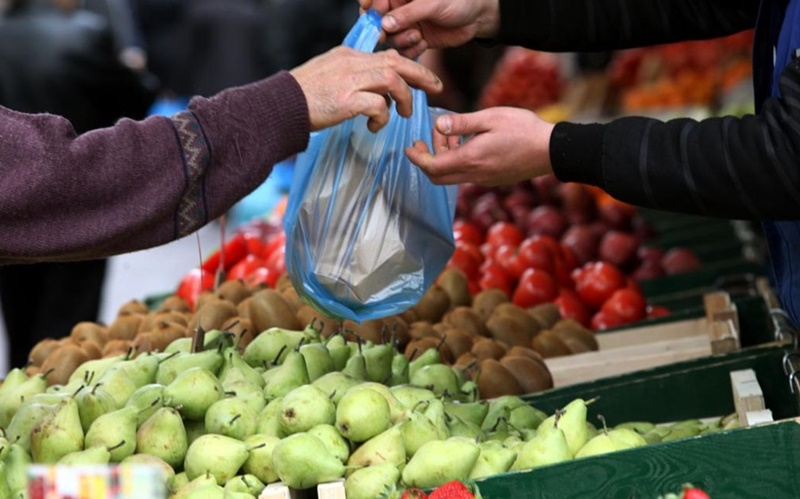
(244, 307)
(485, 302)
(519, 315)
(325, 325)
(546, 314)
(270, 309)
(61, 363)
(525, 352)
(570, 328)
(125, 327)
(234, 291)
(292, 298)
(549, 345)
(32, 370)
(242, 330)
(422, 329)
(41, 350)
(205, 297)
(433, 305)
(173, 303)
(89, 331)
(575, 345)
(465, 359)
(283, 282)
(374, 330)
(467, 320)
(531, 375)
(146, 342)
(458, 341)
(486, 348)
(410, 316)
(172, 316)
(133, 307)
(456, 285)
(116, 347)
(212, 316)
(495, 380)
(505, 328)
(92, 349)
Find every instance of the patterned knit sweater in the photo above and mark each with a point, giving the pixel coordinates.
(139, 184)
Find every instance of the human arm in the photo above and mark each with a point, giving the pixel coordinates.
(141, 184)
(727, 167)
(558, 25)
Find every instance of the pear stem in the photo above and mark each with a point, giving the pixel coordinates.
(109, 449)
(256, 447)
(439, 346)
(173, 354)
(129, 353)
(384, 332)
(98, 385)
(413, 354)
(359, 340)
(591, 401)
(557, 417)
(233, 419)
(47, 373)
(426, 402)
(280, 352)
(300, 344)
(230, 394)
(231, 325)
(603, 420)
(333, 394)
(76, 392)
(497, 423)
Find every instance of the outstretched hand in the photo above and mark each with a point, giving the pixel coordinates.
(343, 83)
(507, 145)
(415, 25)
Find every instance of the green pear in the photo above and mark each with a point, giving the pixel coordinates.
(247, 391)
(378, 361)
(601, 444)
(57, 434)
(171, 368)
(386, 447)
(439, 378)
(429, 357)
(49, 398)
(305, 407)
(411, 396)
(493, 460)
(288, 376)
(333, 440)
(178, 480)
(259, 461)
(399, 370)
(340, 353)
(362, 414)
(211, 491)
(14, 397)
(19, 430)
(375, 481)
(301, 461)
(625, 438)
(548, 447)
(13, 379)
(356, 366)
(457, 427)
(335, 384)
(472, 412)
(267, 421)
(640, 427)
(231, 417)
(397, 410)
(147, 399)
(469, 392)
(164, 436)
(235, 362)
(142, 369)
(5, 490)
(247, 484)
(216, 454)
(93, 403)
(92, 370)
(318, 360)
(441, 461)
(196, 483)
(434, 410)
(117, 383)
(572, 423)
(681, 433)
(183, 345)
(98, 454)
(111, 428)
(17, 463)
(194, 390)
(194, 429)
(272, 346)
(167, 471)
(416, 431)
(526, 417)
(500, 411)
(4, 447)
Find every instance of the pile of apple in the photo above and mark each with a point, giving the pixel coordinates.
(566, 243)
(223, 420)
(523, 78)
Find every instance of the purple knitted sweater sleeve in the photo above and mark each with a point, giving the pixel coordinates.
(140, 184)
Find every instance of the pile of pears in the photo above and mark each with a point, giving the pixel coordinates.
(224, 421)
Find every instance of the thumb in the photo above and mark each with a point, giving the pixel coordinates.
(407, 16)
(461, 124)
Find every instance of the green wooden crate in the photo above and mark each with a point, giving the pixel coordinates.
(757, 462)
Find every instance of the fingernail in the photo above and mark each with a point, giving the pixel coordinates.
(444, 124)
(389, 23)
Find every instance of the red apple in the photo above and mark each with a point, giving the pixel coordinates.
(582, 241)
(650, 253)
(487, 211)
(648, 269)
(577, 203)
(546, 220)
(519, 198)
(617, 215)
(619, 248)
(546, 188)
(679, 260)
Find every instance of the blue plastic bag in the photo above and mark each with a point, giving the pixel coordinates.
(367, 233)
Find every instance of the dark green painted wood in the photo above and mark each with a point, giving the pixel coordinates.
(759, 462)
(703, 278)
(696, 388)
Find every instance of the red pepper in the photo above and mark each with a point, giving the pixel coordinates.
(233, 251)
(193, 283)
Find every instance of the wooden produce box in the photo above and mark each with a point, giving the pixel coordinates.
(748, 463)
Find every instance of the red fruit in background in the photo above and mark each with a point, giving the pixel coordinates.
(539, 252)
(259, 276)
(519, 215)
(487, 211)
(193, 283)
(276, 242)
(493, 276)
(520, 199)
(546, 188)
(656, 311)
(234, 250)
(695, 493)
(605, 320)
(245, 267)
(464, 231)
(472, 250)
(650, 253)
(276, 263)
(535, 287)
(503, 233)
(466, 261)
(596, 282)
(618, 248)
(643, 229)
(627, 304)
(570, 306)
(679, 260)
(507, 256)
(599, 229)
(546, 220)
(582, 241)
(577, 203)
(254, 243)
(451, 490)
(648, 269)
(617, 215)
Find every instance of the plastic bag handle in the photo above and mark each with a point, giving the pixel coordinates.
(365, 33)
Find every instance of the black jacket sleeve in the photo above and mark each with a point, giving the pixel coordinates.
(591, 25)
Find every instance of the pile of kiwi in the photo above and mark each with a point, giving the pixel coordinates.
(486, 333)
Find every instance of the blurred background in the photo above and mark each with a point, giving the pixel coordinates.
(145, 57)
